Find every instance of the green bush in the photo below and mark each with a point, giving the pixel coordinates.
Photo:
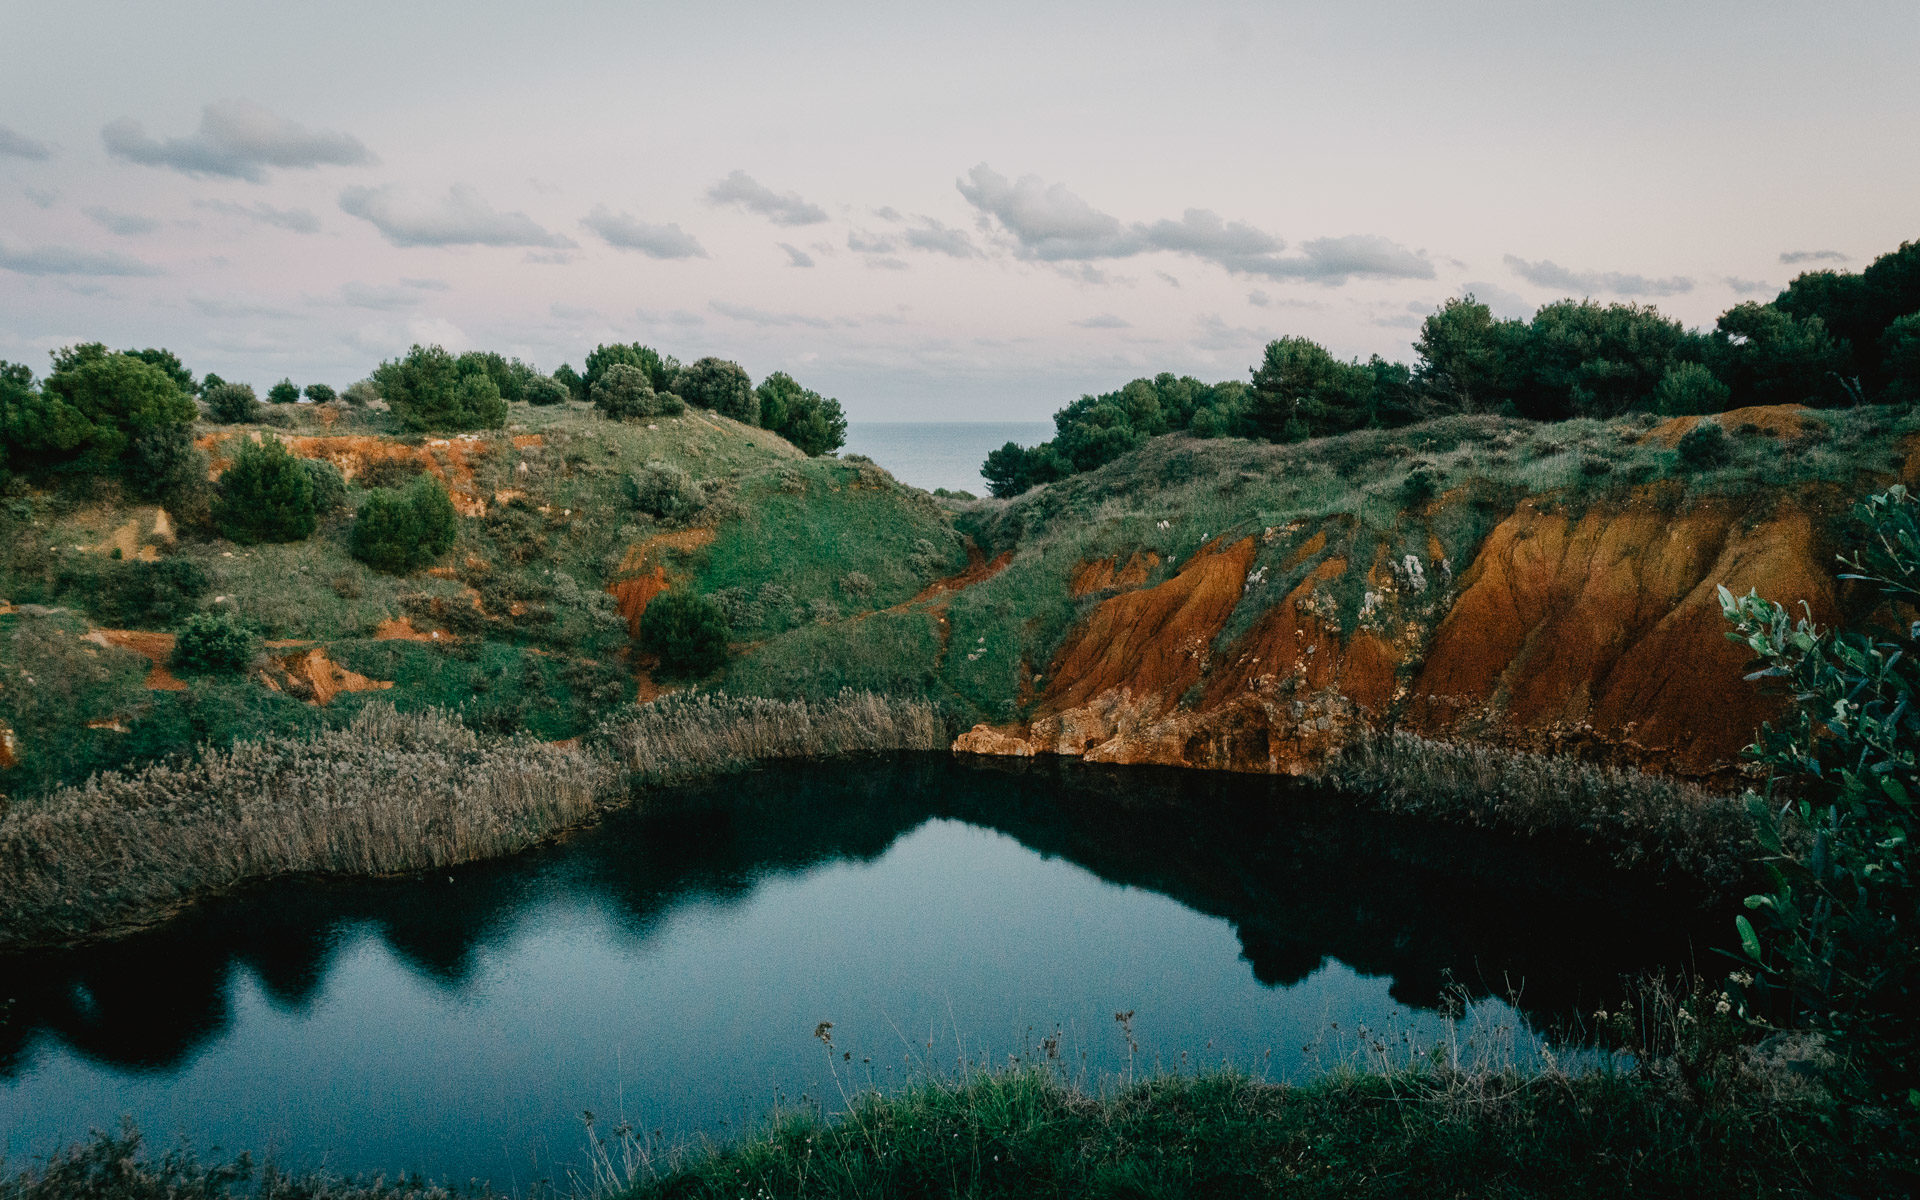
(543, 390)
(804, 417)
(1900, 346)
(163, 463)
(1835, 934)
(265, 496)
(329, 486)
(1705, 446)
(400, 531)
(720, 385)
(88, 411)
(1689, 389)
(232, 403)
(133, 594)
(210, 644)
(360, 393)
(661, 369)
(687, 633)
(320, 393)
(623, 393)
(284, 392)
(427, 391)
(665, 491)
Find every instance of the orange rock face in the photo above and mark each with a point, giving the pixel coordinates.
(1599, 633)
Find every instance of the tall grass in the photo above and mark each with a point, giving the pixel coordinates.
(1641, 821)
(684, 736)
(388, 792)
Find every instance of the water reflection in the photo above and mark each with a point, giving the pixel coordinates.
(1299, 881)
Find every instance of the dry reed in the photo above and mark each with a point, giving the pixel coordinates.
(700, 734)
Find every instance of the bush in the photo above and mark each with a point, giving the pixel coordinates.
(232, 403)
(284, 392)
(1900, 346)
(804, 417)
(665, 491)
(543, 390)
(265, 496)
(622, 393)
(320, 393)
(1690, 389)
(427, 392)
(687, 633)
(360, 394)
(88, 411)
(660, 368)
(210, 644)
(329, 486)
(1705, 446)
(400, 531)
(163, 463)
(720, 385)
(134, 594)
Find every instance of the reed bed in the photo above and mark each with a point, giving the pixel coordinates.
(1642, 821)
(701, 734)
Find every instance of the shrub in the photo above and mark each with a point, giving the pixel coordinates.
(427, 392)
(134, 594)
(660, 368)
(687, 633)
(622, 393)
(329, 486)
(360, 394)
(543, 390)
(320, 393)
(232, 403)
(210, 644)
(720, 385)
(1690, 389)
(400, 531)
(89, 410)
(1705, 446)
(265, 496)
(665, 491)
(572, 380)
(1835, 935)
(804, 417)
(1900, 346)
(163, 463)
(284, 392)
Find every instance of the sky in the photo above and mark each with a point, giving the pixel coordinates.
(959, 212)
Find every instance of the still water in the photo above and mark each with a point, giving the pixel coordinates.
(669, 965)
(940, 454)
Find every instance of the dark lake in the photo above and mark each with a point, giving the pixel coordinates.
(669, 966)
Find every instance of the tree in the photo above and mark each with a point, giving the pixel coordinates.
(665, 491)
(509, 376)
(266, 495)
(320, 393)
(1766, 355)
(544, 390)
(803, 416)
(1900, 355)
(398, 532)
(360, 393)
(210, 644)
(427, 392)
(687, 633)
(1469, 362)
(170, 363)
(1857, 310)
(572, 380)
(163, 463)
(1689, 389)
(1584, 359)
(1834, 934)
(90, 409)
(660, 368)
(1013, 469)
(284, 392)
(622, 393)
(232, 403)
(720, 385)
(1302, 391)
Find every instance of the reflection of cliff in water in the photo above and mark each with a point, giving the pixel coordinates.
(1299, 879)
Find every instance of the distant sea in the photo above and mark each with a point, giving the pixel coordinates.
(939, 454)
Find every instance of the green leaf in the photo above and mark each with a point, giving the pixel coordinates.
(1749, 940)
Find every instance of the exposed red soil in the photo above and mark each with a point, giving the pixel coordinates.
(1774, 420)
(450, 460)
(979, 569)
(641, 577)
(156, 648)
(1109, 574)
(317, 679)
(401, 629)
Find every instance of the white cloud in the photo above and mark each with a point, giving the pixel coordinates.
(1790, 257)
(461, 219)
(124, 224)
(764, 318)
(1259, 299)
(1746, 287)
(938, 238)
(782, 208)
(1105, 321)
(1546, 273)
(796, 257)
(67, 260)
(232, 307)
(14, 144)
(627, 232)
(1504, 303)
(237, 139)
(294, 220)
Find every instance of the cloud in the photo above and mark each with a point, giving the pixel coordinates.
(1550, 274)
(1105, 321)
(65, 260)
(1048, 223)
(888, 213)
(550, 258)
(886, 263)
(762, 317)
(461, 219)
(41, 197)
(1504, 303)
(781, 208)
(574, 312)
(1213, 333)
(1172, 280)
(938, 238)
(426, 285)
(796, 257)
(237, 140)
(1259, 299)
(1746, 287)
(228, 307)
(119, 222)
(294, 220)
(678, 316)
(1790, 257)
(379, 297)
(866, 243)
(14, 144)
(627, 232)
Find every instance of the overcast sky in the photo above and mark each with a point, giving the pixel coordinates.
(961, 212)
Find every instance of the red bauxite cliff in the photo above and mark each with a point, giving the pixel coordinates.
(1596, 633)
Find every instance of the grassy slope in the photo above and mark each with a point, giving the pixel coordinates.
(1380, 493)
(544, 649)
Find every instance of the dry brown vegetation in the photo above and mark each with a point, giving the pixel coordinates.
(684, 736)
